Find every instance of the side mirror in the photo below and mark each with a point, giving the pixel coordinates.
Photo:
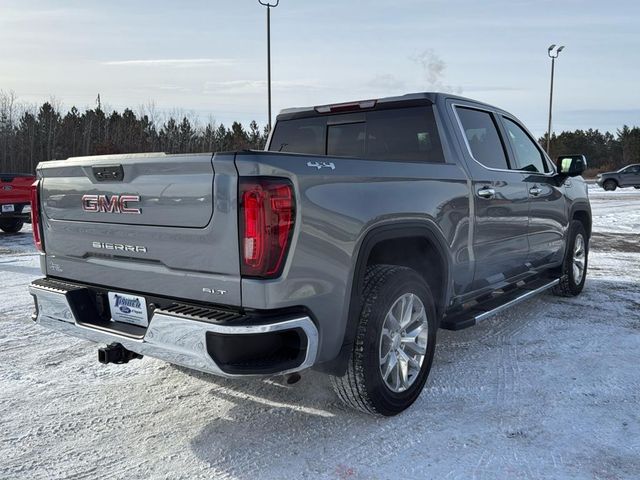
(571, 165)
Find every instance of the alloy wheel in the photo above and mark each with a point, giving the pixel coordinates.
(579, 259)
(403, 342)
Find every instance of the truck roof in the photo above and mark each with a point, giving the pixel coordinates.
(409, 98)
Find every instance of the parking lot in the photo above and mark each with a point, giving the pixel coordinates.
(549, 389)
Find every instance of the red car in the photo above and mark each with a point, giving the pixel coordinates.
(15, 201)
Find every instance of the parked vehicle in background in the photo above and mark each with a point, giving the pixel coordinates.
(628, 176)
(15, 198)
(362, 229)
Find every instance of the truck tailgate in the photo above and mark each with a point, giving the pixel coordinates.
(15, 188)
(151, 223)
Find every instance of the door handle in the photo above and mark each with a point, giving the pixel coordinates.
(486, 192)
(535, 190)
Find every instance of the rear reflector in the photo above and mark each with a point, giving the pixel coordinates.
(267, 215)
(35, 215)
(346, 107)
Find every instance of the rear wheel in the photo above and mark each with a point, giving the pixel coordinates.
(574, 267)
(11, 225)
(610, 185)
(394, 344)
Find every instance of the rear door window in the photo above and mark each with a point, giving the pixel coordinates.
(482, 135)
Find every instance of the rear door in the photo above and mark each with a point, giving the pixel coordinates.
(547, 203)
(150, 223)
(500, 244)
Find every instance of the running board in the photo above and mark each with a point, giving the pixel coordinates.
(474, 315)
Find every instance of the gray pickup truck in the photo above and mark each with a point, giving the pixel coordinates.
(628, 176)
(362, 229)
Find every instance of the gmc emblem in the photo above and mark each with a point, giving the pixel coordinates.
(112, 204)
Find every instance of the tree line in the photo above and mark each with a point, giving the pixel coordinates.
(604, 151)
(30, 134)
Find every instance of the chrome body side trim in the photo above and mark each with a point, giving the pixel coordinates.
(172, 338)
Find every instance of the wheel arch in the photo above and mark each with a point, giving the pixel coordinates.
(406, 233)
(582, 213)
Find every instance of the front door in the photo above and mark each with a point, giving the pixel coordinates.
(547, 204)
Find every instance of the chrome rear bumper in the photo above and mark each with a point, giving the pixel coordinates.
(172, 337)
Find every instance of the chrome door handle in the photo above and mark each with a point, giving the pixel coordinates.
(486, 192)
(535, 191)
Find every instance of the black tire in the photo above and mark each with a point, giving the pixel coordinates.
(11, 225)
(637, 187)
(610, 185)
(569, 285)
(362, 386)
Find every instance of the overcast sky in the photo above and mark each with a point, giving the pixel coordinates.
(209, 57)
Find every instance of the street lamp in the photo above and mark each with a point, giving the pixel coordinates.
(553, 54)
(269, 7)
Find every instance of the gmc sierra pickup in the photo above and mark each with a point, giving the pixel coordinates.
(15, 199)
(362, 229)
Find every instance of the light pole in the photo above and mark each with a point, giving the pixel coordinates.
(553, 55)
(269, 7)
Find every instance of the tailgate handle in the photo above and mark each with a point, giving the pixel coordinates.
(109, 173)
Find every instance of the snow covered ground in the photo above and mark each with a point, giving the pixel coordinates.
(549, 389)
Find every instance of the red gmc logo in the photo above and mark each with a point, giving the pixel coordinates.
(110, 204)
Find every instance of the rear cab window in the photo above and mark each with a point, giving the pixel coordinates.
(346, 139)
(300, 136)
(392, 134)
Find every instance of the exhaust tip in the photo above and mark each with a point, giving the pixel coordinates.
(293, 378)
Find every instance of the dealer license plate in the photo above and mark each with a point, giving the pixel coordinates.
(128, 309)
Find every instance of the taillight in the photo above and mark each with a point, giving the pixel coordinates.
(267, 215)
(35, 215)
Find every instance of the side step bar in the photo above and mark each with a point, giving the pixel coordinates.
(474, 315)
